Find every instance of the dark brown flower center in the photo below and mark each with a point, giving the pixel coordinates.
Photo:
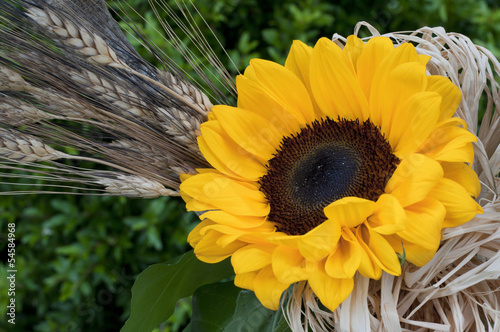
(324, 162)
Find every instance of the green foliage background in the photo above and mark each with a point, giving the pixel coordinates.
(77, 257)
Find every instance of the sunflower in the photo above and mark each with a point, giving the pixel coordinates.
(336, 163)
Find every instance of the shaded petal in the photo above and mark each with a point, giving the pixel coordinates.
(249, 130)
(334, 84)
(391, 86)
(413, 122)
(298, 62)
(289, 265)
(193, 204)
(208, 251)
(464, 175)
(460, 206)
(451, 95)
(379, 250)
(330, 291)
(249, 235)
(422, 235)
(197, 233)
(388, 217)
(413, 179)
(344, 262)
(228, 157)
(367, 267)
(268, 289)
(251, 96)
(391, 93)
(449, 143)
(252, 258)
(245, 280)
(349, 211)
(353, 49)
(227, 194)
(374, 52)
(224, 218)
(284, 87)
(320, 241)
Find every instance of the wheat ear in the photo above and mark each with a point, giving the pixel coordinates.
(95, 49)
(22, 147)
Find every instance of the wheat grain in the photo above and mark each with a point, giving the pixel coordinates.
(16, 112)
(135, 186)
(54, 101)
(11, 81)
(88, 44)
(183, 88)
(111, 92)
(21, 147)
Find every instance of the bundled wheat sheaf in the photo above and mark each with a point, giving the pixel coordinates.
(73, 89)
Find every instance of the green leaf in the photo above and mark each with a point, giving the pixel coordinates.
(225, 307)
(402, 257)
(251, 315)
(160, 286)
(213, 306)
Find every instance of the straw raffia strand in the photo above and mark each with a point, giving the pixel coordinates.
(459, 289)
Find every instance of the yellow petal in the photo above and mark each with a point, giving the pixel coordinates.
(368, 267)
(413, 179)
(334, 84)
(284, 87)
(251, 131)
(423, 230)
(227, 156)
(464, 175)
(401, 54)
(391, 94)
(268, 289)
(194, 205)
(391, 86)
(245, 280)
(320, 241)
(224, 218)
(449, 143)
(374, 52)
(346, 259)
(349, 211)
(388, 217)
(252, 258)
(196, 234)
(451, 95)
(249, 235)
(289, 265)
(227, 194)
(330, 291)
(413, 122)
(379, 250)
(208, 251)
(353, 49)
(460, 206)
(252, 96)
(298, 62)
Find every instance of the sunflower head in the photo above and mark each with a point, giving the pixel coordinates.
(333, 164)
